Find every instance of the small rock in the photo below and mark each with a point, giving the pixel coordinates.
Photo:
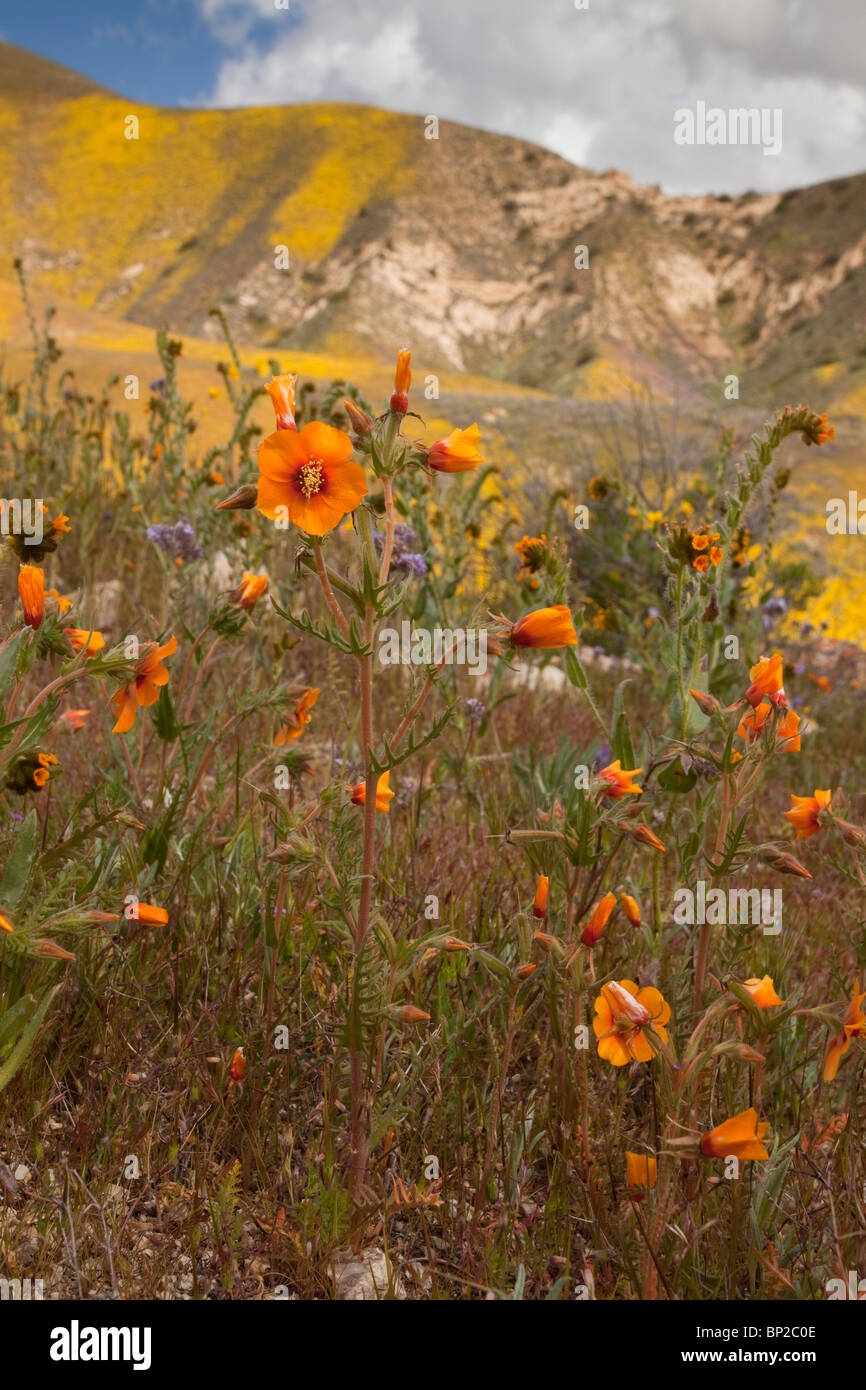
(364, 1277)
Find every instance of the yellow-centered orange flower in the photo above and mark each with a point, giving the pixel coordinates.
(598, 919)
(546, 627)
(622, 1013)
(620, 782)
(641, 1170)
(738, 1137)
(293, 725)
(84, 641)
(308, 477)
(631, 909)
(763, 992)
(250, 589)
(458, 452)
(805, 811)
(752, 724)
(31, 590)
(853, 1026)
(539, 907)
(281, 390)
(144, 688)
(766, 678)
(384, 795)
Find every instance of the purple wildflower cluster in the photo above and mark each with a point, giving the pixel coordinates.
(405, 554)
(178, 541)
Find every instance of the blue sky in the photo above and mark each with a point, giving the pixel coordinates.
(598, 81)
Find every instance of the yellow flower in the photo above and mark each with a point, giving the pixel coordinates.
(622, 1013)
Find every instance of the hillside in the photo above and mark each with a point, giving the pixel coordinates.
(463, 245)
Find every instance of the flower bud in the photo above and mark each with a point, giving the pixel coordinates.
(244, 499)
(359, 419)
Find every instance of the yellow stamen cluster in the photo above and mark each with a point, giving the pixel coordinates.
(311, 478)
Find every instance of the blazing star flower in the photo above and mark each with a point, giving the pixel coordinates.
(805, 811)
(598, 919)
(619, 782)
(546, 628)
(631, 909)
(539, 907)
(63, 603)
(766, 678)
(384, 795)
(309, 474)
(148, 915)
(250, 590)
(84, 641)
(763, 992)
(294, 724)
(281, 390)
(622, 1012)
(641, 1170)
(752, 724)
(853, 1026)
(399, 402)
(75, 718)
(738, 1137)
(458, 452)
(31, 590)
(143, 689)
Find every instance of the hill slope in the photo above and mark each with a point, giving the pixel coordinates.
(463, 245)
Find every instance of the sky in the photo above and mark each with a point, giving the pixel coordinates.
(600, 85)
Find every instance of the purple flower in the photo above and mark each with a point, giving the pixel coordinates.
(178, 540)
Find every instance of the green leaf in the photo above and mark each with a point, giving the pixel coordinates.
(574, 670)
(18, 1055)
(18, 865)
(9, 661)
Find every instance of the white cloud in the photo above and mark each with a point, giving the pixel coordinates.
(599, 86)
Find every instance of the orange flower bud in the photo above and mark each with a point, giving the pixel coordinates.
(358, 419)
(458, 452)
(766, 678)
(631, 909)
(402, 381)
(409, 1013)
(598, 919)
(539, 907)
(242, 500)
(763, 992)
(523, 972)
(644, 836)
(281, 390)
(31, 590)
(238, 1065)
(641, 1170)
(545, 628)
(453, 943)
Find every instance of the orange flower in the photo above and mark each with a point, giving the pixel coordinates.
(281, 390)
(546, 627)
(622, 1012)
(238, 1065)
(148, 915)
(766, 678)
(763, 992)
(738, 1137)
(804, 813)
(5, 924)
(41, 773)
(399, 402)
(539, 907)
(853, 1026)
(458, 452)
(63, 603)
(619, 781)
(143, 689)
(310, 475)
(384, 795)
(641, 1170)
(631, 909)
(822, 432)
(250, 590)
(60, 525)
(75, 717)
(293, 726)
(752, 724)
(700, 542)
(83, 641)
(31, 590)
(701, 563)
(715, 555)
(598, 919)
